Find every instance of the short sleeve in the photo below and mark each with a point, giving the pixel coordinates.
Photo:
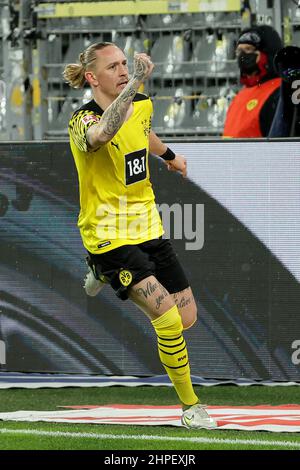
(80, 122)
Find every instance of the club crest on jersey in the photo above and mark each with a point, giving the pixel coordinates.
(147, 127)
(125, 277)
(89, 118)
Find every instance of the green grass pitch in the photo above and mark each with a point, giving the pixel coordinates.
(57, 436)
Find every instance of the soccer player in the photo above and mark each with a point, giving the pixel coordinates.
(110, 139)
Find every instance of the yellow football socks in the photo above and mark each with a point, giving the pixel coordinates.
(173, 354)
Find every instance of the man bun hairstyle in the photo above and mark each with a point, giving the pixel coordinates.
(74, 74)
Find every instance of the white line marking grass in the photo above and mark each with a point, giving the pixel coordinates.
(145, 437)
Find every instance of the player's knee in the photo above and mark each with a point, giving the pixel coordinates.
(190, 317)
(169, 323)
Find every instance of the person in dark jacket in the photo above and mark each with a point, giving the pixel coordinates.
(251, 111)
(286, 121)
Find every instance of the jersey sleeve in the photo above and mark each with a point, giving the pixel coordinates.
(78, 126)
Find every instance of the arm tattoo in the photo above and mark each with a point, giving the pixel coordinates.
(140, 70)
(114, 116)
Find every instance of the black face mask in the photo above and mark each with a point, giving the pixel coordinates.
(247, 63)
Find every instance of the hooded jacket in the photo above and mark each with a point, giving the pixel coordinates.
(251, 111)
(269, 42)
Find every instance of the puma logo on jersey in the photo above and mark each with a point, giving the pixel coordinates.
(115, 145)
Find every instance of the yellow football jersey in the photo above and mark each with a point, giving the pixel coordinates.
(117, 205)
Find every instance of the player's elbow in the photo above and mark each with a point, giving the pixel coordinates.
(97, 137)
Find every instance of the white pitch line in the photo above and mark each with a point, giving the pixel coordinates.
(203, 440)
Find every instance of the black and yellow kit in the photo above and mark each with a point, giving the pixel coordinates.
(117, 205)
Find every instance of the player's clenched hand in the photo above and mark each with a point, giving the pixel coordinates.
(178, 164)
(142, 66)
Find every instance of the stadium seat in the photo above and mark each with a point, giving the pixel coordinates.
(60, 111)
(169, 53)
(165, 22)
(223, 58)
(214, 54)
(210, 110)
(203, 53)
(132, 44)
(173, 113)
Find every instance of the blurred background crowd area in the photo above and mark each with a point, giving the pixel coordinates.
(192, 44)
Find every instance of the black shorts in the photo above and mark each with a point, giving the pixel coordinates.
(129, 264)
